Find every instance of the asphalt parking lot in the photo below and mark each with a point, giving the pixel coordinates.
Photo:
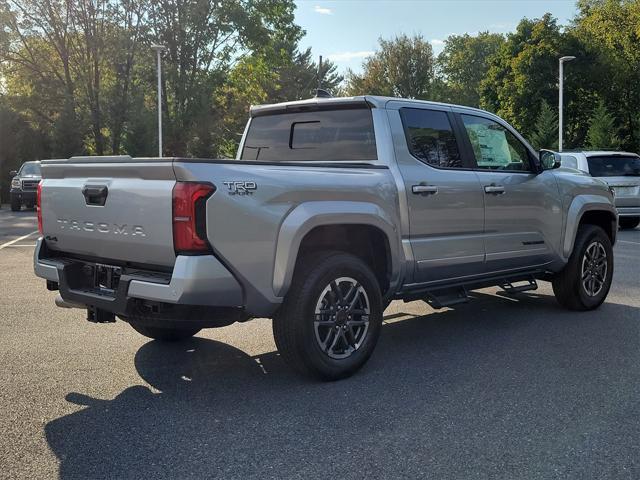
(496, 388)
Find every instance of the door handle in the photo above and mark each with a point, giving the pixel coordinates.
(494, 189)
(424, 189)
(95, 194)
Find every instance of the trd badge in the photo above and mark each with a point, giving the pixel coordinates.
(241, 188)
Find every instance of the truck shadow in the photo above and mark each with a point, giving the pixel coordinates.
(488, 387)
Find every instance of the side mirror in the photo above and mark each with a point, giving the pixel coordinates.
(13, 173)
(549, 160)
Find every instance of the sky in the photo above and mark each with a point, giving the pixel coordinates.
(347, 31)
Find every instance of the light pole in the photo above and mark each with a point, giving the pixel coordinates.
(560, 99)
(159, 49)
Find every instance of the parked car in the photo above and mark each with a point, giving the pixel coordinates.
(332, 208)
(24, 185)
(620, 170)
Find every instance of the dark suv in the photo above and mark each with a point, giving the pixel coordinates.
(24, 185)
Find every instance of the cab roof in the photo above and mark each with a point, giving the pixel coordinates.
(373, 101)
(600, 153)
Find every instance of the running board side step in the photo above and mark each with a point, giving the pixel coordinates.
(509, 288)
(446, 297)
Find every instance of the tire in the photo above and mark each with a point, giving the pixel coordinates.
(15, 204)
(350, 336)
(165, 334)
(628, 222)
(568, 286)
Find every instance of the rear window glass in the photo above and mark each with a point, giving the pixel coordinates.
(614, 166)
(325, 135)
(569, 161)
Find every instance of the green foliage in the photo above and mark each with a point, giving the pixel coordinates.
(610, 33)
(545, 134)
(524, 70)
(80, 77)
(464, 63)
(602, 134)
(402, 67)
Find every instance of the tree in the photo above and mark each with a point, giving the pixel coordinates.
(545, 134)
(464, 63)
(610, 32)
(279, 74)
(402, 67)
(525, 69)
(204, 39)
(602, 134)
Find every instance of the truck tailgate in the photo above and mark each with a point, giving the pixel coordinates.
(113, 208)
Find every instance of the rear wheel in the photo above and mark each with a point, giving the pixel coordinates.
(629, 222)
(331, 318)
(585, 281)
(165, 334)
(15, 204)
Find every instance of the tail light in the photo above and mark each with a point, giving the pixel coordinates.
(189, 217)
(39, 205)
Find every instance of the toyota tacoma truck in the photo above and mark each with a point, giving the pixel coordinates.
(332, 208)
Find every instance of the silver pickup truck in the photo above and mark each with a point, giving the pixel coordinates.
(332, 208)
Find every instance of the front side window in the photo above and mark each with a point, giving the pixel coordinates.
(614, 166)
(495, 147)
(324, 135)
(430, 137)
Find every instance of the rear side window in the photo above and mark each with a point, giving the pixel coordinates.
(614, 166)
(324, 135)
(430, 137)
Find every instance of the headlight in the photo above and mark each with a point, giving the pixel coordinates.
(15, 183)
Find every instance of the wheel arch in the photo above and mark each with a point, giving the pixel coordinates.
(592, 210)
(340, 225)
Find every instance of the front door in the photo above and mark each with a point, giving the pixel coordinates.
(444, 197)
(523, 214)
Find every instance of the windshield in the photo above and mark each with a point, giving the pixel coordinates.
(30, 169)
(614, 165)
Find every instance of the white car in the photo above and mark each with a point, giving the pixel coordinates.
(620, 170)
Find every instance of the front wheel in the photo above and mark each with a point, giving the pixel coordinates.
(16, 205)
(585, 281)
(628, 222)
(331, 318)
(165, 334)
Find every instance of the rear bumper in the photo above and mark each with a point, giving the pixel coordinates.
(629, 211)
(200, 281)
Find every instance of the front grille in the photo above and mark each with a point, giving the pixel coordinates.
(30, 185)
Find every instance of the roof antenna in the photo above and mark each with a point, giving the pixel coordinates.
(320, 92)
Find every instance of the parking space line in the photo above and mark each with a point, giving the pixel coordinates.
(4, 245)
(629, 241)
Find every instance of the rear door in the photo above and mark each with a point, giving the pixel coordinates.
(523, 209)
(444, 198)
